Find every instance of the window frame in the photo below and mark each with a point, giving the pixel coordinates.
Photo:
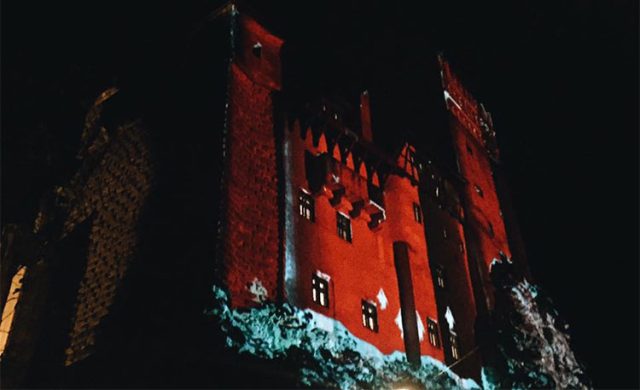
(478, 190)
(345, 230)
(417, 213)
(256, 50)
(441, 277)
(454, 345)
(319, 289)
(433, 332)
(370, 315)
(306, 205)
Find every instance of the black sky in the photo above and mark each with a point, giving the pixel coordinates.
(560, 77)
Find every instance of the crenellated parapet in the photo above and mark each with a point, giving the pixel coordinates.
(339, 168)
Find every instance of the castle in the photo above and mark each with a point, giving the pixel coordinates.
(395, 249)
(309, 211)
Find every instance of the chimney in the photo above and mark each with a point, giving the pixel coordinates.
(365, 116)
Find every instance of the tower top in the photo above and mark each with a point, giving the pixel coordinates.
(255, 49)
(464, 107)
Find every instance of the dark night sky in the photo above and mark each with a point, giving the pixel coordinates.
(560, 77)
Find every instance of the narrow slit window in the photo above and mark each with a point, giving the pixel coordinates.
(417, 212)
(455, 347)
(441, 280)
(320, 290)
(478, 190)
(411, 157)
(432, 329)
(490, 229)
(306, 205)
(369, 316)
(344, 227)
(257, 50)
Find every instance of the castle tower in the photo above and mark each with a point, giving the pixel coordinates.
(250, 220)
(476, 150)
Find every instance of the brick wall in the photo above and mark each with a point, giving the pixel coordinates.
(251, 236)
(112, 196)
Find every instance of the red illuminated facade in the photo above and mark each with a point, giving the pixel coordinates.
(315, 214)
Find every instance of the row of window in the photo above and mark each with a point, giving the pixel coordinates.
(306, 209)
(320, 295)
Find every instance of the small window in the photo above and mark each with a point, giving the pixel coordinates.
(369, 315)
(344, 226)
(320, 290)
(257, 50)
(461, 247)
(432, 329)
(306, 207)
(411, 157)
(453, 343)
(417, 213)
(478, 190)
(441, 280)
(469, 150)
(490, 229)
(445, 234)
(437, 191)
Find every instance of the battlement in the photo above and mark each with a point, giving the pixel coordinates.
(350, 188)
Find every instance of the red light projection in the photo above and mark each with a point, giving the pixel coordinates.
(316, 216)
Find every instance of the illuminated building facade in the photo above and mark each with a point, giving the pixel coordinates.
(316, 214)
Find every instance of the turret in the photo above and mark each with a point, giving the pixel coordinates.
(250, 250)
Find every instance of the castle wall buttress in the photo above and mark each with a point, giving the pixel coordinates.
(251, 221)
(401, 196)
(450, 269)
